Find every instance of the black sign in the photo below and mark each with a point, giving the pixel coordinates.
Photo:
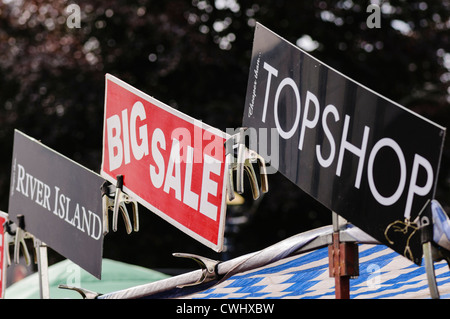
(60, 200)
(363, 156)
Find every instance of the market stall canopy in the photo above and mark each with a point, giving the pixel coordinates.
(383, 274)
(298, 268)
(115, 276)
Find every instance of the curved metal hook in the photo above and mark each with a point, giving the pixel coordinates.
(208, 267)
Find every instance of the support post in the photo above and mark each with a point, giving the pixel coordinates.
(343, 261)
(429, 252)
(42, 261)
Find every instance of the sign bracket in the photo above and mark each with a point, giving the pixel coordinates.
(19, 241)
(113, 198)
(243, 161)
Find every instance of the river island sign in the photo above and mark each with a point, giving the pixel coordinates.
(60, 201)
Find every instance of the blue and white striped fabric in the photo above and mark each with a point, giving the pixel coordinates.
(441, 225)
(383, 273)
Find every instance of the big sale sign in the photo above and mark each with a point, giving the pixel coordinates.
(171, 163)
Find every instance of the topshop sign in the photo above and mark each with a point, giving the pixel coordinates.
(363, 156)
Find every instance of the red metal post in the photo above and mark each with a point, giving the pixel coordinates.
(343, 264)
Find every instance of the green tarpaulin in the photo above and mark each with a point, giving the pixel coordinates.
(115, 276)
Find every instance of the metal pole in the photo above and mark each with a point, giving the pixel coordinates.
(426, 235)
(343, 261)
(42, 261)
(335, 221)
(429, 266)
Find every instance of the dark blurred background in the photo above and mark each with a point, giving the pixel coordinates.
(194, 55)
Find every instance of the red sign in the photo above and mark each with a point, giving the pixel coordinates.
(171, 163)
(3, 219)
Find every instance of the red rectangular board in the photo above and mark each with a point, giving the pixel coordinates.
(171, 163)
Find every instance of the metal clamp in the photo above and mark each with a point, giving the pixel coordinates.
(117, 202)
(19, 241)
(429, 254)
(86, 294)
(9, 239)
(432, 252)
(208, 267)
(244, 160)
(108, 191)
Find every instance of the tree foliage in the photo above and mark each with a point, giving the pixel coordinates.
(195, 55)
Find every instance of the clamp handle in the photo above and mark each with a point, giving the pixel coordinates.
(245, 158)
(208, 267)
(120, 201)
(253, 156)
(241, 163)
(113, 198)
(107, 204)
(229, 151)
(19, 242)
(86, 294)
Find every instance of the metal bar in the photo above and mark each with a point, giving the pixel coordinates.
(343, 260)
(42, 261)
(336, 265)
(429, 252)
(335, 221)
(429, 266)
(342, 287)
